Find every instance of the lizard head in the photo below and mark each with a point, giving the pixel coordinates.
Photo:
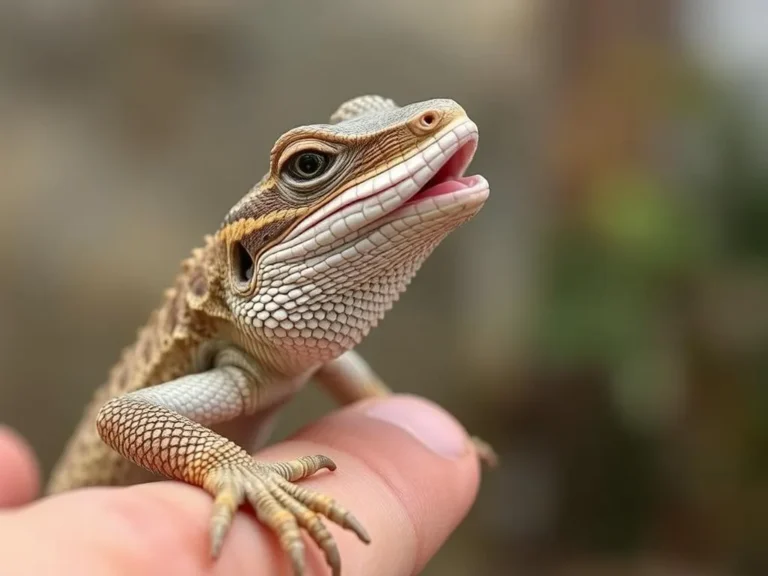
(322, 247)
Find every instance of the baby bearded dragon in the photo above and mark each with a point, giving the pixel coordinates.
(303, 266)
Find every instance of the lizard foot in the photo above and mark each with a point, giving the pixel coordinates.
(281, 505)
(485, 452)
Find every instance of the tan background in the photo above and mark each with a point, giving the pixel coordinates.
(603, 321)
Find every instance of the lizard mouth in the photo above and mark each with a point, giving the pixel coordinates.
(450, 176)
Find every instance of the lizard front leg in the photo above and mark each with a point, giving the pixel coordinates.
(164, 429)
(350, 378)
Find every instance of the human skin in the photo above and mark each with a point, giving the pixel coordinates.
(406, 469)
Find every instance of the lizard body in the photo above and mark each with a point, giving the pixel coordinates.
(302, 267)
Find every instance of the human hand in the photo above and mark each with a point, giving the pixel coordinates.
(406, 469)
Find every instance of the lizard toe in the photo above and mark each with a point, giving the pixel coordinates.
(284, 507)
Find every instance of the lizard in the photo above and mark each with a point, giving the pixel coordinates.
(302, 267)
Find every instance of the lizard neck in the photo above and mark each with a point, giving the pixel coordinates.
(274, 360)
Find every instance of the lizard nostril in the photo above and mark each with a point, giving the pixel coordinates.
(426, 122)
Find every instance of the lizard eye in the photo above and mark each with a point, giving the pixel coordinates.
(307, 165)
(242, 263)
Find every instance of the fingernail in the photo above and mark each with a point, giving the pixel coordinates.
(430, 425)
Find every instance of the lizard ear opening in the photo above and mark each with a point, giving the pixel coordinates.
(242, 263)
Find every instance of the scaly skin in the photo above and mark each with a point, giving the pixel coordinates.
(296, 276)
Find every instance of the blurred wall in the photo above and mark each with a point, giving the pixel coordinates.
(602, 321)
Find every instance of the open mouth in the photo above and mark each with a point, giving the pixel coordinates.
(450, 177)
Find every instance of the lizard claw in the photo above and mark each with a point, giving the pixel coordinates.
(485, 452)
(281, 505)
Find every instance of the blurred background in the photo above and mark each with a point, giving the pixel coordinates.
(603, 321)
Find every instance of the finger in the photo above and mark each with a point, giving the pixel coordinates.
(19, 476)
(406, 470)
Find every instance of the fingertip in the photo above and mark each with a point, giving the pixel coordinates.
(19, 473)
(431, 425)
